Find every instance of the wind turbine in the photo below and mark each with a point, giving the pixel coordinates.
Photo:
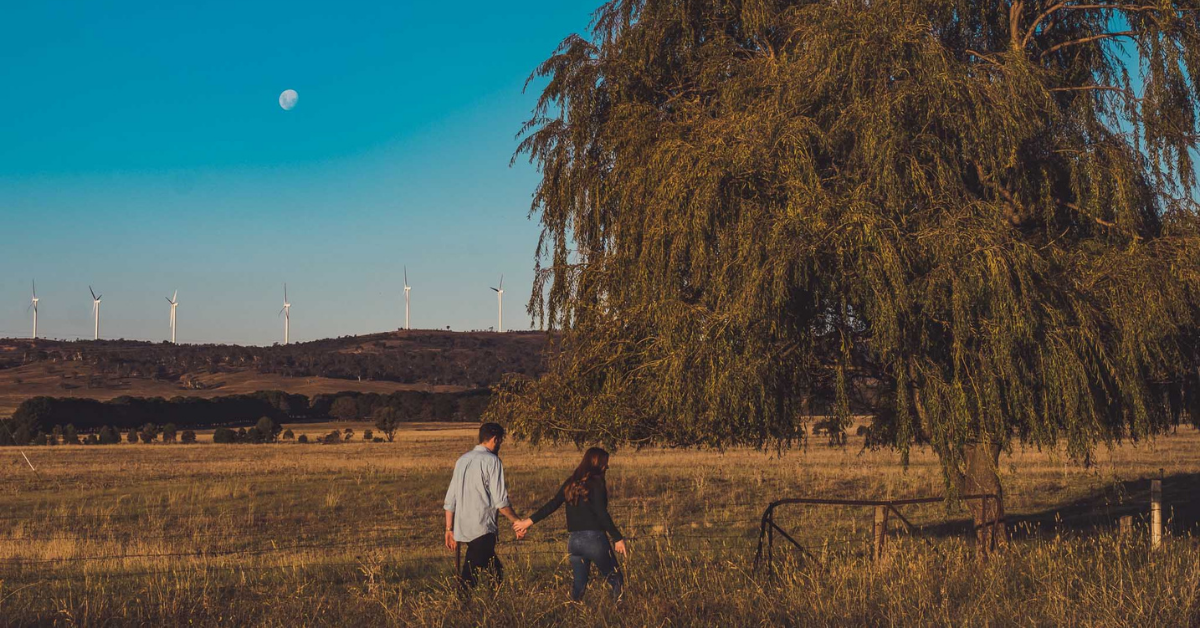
(500, 299)
(174, 301)
(95, 312)
(33, 306)
(287, 315)
(406, 289)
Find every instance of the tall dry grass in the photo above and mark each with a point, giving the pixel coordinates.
(350, 534)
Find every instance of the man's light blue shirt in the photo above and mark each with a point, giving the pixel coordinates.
(476, 492)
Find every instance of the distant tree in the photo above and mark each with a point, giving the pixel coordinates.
(168, 433)
(344, 409)
(367, 434)
(132, 436)
(224, 435)
(22, 435)
(187, 437)
(288, 435)
(377, 440)
(348, 434)
(387, 420)
(266, 430)
(303, 438)
(149, 433)
(91, 439)
(70, 436)
(39, 439)
(109, 435)
(333, 438)
(57, 433)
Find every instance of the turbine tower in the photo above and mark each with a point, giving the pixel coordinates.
(406, 289)
(500, 300)
(95, 312)
(287, 315)
(33, 306)
(174, 301)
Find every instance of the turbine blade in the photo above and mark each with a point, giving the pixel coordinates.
(406, 276)
(495, 290)
(93, 292)
(34, 289)
(501, 282)
(174, 296)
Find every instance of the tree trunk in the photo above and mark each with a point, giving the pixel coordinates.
(980, 480)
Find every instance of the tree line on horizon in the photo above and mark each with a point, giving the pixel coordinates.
(39, 418)
(426, 357)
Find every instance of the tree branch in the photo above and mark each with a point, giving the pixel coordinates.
(1082, 88)
(1084, 40)
(1038, 20)
(1063, 6)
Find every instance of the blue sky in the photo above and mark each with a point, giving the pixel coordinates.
(143, 150)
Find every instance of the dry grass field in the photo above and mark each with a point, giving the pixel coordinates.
(349, 534)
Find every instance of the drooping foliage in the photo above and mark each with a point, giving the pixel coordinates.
(977, 219)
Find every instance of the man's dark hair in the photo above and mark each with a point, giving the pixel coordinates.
(488, 430)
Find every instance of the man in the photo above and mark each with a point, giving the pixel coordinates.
(476, 492)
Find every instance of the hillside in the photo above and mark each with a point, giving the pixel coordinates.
(429, 361)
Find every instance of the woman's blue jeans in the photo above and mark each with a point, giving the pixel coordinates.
(587, 547)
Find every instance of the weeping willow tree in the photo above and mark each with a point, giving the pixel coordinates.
(976, 217)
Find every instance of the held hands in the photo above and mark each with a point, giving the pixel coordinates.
(522, 527)
(619, 547)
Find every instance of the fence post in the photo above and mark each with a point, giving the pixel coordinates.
(1155, 513)
(1126, 528)
(881, 522)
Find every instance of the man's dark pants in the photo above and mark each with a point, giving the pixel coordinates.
(480, 555)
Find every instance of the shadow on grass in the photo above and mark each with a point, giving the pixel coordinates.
(1100, 511)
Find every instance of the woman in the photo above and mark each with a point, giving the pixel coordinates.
(588, 521)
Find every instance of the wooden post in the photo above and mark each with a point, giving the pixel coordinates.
(881, 522)
(1126, 528)
(771, 548)
(1155, 513)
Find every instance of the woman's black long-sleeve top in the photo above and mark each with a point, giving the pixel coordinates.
(588, 514)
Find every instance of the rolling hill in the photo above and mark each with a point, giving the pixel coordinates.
(428, 361)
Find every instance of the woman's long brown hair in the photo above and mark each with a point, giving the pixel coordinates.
(594, 464)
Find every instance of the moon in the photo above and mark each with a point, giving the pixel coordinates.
(288, 99)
